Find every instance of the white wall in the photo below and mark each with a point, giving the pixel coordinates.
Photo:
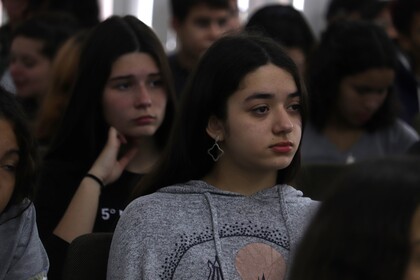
(315, 13)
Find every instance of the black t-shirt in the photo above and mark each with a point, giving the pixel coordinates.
(113, 200)
(57, 186)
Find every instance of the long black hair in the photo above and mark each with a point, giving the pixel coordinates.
(216, 78)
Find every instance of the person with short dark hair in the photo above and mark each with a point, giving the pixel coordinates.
(353, 105)
(22, 255)
(220, 205)
(368, 227)
(197, 23)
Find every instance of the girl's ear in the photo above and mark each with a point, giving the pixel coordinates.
(215, 128)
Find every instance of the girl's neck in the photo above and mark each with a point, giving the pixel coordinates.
(233, 179)
(146, 156)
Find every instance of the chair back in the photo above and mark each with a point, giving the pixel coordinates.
(317, 180)
(87, 257)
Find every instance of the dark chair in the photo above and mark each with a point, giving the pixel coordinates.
(87, 257)
(316, 180)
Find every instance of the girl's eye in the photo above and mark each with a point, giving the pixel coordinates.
(260, 110)
(9, 168)
(156, 83)
(122, 86)
(295, 107)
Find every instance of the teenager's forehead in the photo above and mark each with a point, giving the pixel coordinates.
(206, 6)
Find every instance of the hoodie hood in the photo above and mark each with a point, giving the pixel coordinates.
(201, 187)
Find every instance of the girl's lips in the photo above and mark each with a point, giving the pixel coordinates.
(146, 120)
(283, 147)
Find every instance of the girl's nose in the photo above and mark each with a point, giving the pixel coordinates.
(142, 97)
(282, 122)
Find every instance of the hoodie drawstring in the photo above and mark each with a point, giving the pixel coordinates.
(215, 225)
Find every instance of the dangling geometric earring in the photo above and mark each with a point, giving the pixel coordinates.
(215, 151)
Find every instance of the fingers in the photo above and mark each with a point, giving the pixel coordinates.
(114, 135)
(106, 160)
(128, 156)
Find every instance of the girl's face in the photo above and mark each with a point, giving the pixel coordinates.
(263, 127)
(30, 69)
(9, 159)
(361, 95)
(413, 268)
(135, 98)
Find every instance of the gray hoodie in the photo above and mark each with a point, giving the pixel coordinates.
(196, 231)
(22, 255)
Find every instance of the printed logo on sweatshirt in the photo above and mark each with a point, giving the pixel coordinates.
(258, 261)
(189, 241)
(215, 270)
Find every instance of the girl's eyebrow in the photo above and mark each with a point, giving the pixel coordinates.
(11, 152)
(259, 95)
(121, 78)
(131, 76)
(264, 95)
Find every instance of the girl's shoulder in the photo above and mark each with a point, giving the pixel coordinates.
(295, 202)
(19, 212)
